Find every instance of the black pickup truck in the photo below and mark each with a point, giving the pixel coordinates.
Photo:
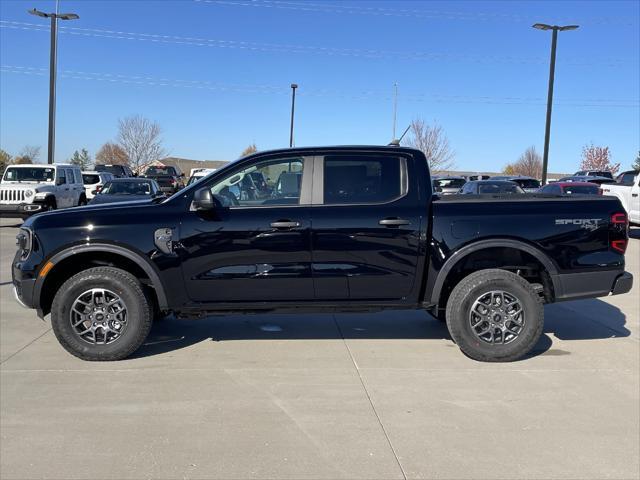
(169, 178)
(334, 229)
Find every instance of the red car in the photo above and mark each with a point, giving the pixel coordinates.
(571, 188)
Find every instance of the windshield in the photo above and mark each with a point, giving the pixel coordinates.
(495, 188)
(27, 174)
(448, 183)
(115, 169)
(527, 182)
(195, 178)
(161, 171)
(126, 188)
(90, 178)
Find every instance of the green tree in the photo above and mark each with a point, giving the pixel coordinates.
(81, 158)
(5, 159)
(509, 169)
(636, 164)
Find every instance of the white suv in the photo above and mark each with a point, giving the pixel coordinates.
(29, 189)
(94, 181)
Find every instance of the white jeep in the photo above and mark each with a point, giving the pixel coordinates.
(29, 189)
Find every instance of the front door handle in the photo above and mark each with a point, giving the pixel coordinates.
(634, 194)
(393, 222)
(285, 224)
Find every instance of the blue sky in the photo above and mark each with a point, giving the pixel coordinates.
(216, 74)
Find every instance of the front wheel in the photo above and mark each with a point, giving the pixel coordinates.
(495, 316)
(101, 314)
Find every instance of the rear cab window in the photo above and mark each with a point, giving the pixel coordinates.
(90, 178)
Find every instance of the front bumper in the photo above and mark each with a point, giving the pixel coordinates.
(19, 210)
(574, 286)
(24, 282)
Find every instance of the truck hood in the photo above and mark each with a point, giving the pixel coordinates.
(69, 215)
(120, 199)
(37, 187)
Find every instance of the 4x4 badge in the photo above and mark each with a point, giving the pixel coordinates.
(586, 223)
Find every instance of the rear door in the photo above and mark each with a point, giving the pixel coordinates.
(63, 192)
(77, 187)
(366, 226)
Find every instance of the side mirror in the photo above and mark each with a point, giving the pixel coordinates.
(59, 181)
(203, 200)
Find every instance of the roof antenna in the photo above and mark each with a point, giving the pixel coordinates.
(396, 141)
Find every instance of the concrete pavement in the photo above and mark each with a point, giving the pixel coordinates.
(371, 396)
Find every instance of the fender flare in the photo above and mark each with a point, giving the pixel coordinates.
(140, 260)
(492, 243)
(47, 196)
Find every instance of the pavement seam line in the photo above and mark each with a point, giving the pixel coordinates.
(27, 345)
(364, 387)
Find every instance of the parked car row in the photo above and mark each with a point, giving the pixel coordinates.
(626, 187)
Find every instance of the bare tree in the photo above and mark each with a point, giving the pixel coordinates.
(140, 139)
(249, 150)
(598, 158)
(111, 154)
(529, 164)
(432, 141)
(29, 154)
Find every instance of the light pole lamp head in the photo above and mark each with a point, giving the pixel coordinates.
(38, 13)
(294, 85)
(67, 16)
(544, 26)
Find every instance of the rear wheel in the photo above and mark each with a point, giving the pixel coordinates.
(495, 316)
(101, 314)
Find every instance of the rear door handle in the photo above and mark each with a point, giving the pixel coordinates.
(393, 222)
(284, 224)
(634, 194)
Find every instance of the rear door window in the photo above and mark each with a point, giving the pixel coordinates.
(358, 179)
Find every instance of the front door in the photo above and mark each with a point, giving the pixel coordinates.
(366, 227)
(258, 248)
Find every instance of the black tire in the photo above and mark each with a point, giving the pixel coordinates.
(138, 314)
(50, 204)
(472, 288)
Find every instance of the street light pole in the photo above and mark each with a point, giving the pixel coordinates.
(53, 62)
(293, 108)
(552, 71)
(53, 58)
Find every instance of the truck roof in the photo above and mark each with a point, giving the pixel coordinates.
(384, 148)
(42, 165)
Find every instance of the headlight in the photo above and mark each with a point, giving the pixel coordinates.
(24, 242)
(28, 193)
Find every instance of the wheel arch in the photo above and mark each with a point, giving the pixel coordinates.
(77, 258)
(474, 248)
